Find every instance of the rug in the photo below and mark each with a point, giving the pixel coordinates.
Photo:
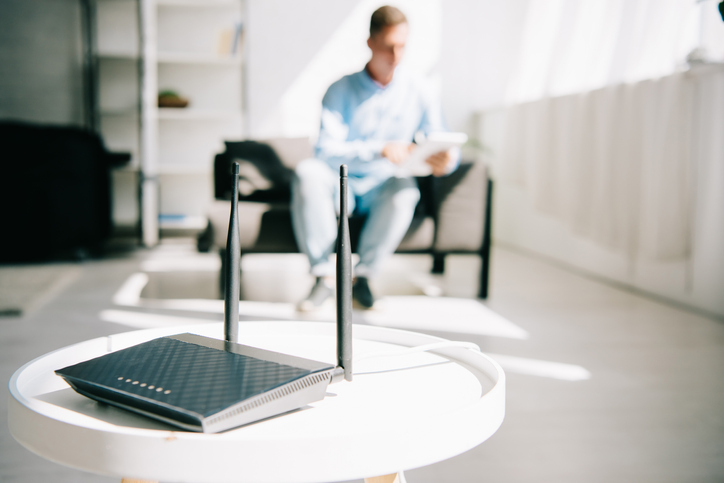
(24, 289)
(411, 312)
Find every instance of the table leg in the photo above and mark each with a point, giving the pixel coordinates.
(394, 478)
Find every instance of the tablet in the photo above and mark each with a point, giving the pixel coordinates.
(426, 146)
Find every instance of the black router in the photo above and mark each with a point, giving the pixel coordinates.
(209, 385)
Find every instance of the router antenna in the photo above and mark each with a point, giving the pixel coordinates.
(233, 252)
(344, 282)
(258, 383)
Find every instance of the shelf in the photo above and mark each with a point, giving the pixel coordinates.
(125, 56)
(184, 114)
(185, 222)
(185, 170)
(131, 167)
(204, 59)
(170, 170)
(187, 49)
(198, 3)
(131, 111)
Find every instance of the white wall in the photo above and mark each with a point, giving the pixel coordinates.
(480, 45)
(297, 49)
(40, 61)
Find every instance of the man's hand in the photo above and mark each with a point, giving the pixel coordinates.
(439, 162)
(397, 152)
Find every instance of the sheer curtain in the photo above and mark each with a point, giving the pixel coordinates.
(574, 46)
(614, 163)
(599, 124)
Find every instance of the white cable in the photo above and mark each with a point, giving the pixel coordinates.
(421, 348)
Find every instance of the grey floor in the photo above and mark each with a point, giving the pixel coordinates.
(652, 411)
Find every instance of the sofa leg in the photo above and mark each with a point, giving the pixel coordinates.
(484, 273)
(485, 250)
(438, 263)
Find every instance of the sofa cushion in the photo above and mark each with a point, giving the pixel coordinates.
(291, 150)
(262, 175)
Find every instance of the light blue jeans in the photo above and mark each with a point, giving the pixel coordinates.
(389, 206)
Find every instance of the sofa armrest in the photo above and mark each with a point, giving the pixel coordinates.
(461, 209)
(117, 159)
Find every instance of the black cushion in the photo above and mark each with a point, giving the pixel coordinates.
(262, 175)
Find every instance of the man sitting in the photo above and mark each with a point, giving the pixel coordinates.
(369, 120)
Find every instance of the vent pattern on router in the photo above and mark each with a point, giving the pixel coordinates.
(273, 395)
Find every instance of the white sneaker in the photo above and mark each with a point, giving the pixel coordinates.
(318, 295)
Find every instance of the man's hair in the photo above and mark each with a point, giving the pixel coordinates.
(385, 17)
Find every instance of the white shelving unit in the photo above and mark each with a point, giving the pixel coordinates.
(117, 58)
(186, 46)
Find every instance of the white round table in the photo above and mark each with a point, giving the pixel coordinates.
(400, 412)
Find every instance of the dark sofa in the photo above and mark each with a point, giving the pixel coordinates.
(453, 215)
(54, 192)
